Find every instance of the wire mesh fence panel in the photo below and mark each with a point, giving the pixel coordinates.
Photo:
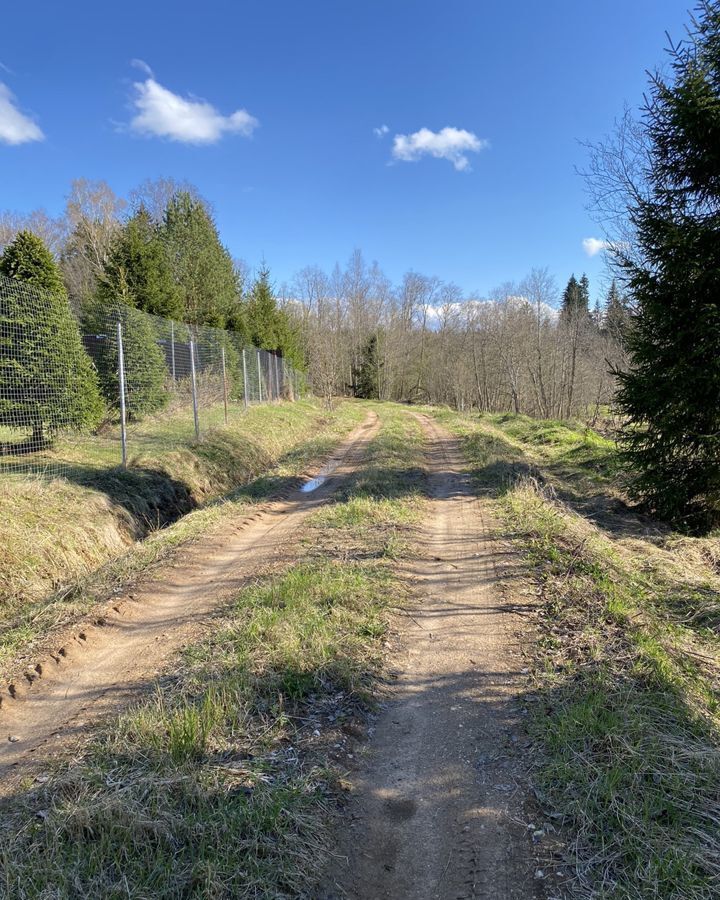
(127, 385)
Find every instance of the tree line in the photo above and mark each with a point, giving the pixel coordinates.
(159, 254)
(423, 341)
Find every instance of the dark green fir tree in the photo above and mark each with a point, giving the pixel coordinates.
(203, 269)
(671, 393)
(366, 375)
(616, 316)
(47, 381)
(139, 267)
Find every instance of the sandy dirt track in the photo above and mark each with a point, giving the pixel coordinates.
(438, 806)
(100, 668)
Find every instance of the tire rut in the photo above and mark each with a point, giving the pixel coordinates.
(438, 805)
(101, 666)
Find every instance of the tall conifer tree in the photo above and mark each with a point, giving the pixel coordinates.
(671, 394)
(139, 268)
(202, 267)
(48, 382)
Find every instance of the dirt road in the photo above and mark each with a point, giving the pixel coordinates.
(438, 807)
(100, 667)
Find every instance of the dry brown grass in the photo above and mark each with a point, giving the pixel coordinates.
(63, 544)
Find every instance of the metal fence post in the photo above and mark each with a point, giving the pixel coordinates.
(194, 389)
(123, 411)
(245, 380)
(259, 378)
(277, 375)
(225, 390)
(172, 349)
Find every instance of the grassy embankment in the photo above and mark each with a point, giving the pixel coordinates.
(625, 710)
(65, 543)
(222, 783)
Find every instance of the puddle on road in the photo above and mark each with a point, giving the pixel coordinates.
(313, 484)
(322, 476)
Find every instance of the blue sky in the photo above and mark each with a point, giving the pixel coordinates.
(286, 149)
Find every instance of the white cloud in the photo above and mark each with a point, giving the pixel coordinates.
(452, 144)
(189, 120)
(381, 131)
(15, 127)
(592, 246)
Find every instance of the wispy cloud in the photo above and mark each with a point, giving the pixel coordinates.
(143, 66)
(452, 144)
(190, 120)
(592, 246)
(381, 131)
(15, 126)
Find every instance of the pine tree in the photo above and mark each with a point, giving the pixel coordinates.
(47, 381)
(584, 298)
(597, 315)
(575, 318)
(671, 393)
(270, 327)
(139, 265)
(203, 269)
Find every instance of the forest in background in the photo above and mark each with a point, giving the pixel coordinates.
(528, 347)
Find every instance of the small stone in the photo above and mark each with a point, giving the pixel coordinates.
(538, 835)
(13, 738)
(539, 873)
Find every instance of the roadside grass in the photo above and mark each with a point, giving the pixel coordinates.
(223, 781)
(624, 711)
(576, 460)
(63, 547)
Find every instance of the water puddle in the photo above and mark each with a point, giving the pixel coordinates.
(313, 484)
(322, 476)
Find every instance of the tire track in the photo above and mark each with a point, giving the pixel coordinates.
(103, 665)
(438, 806)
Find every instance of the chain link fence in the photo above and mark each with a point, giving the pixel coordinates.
(123, 383)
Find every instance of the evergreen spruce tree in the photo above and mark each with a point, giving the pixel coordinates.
(268, 326)
(202, 267)
(597, 315)
(139, 266)
(575, 299)
(571, 299)
(366, 376)
(47, 381)
(262, 313)
(584, 298)
(146, 370)
(616, 316)
(145, 367)
(671, 394)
